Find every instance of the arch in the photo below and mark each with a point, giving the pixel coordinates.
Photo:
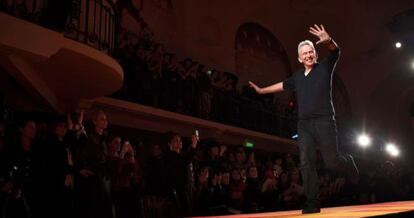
(259, 55)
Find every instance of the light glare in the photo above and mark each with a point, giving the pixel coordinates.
(392, 149)
(364, 140)
(398, 44)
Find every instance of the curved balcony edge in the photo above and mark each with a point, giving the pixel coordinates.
(71, 70)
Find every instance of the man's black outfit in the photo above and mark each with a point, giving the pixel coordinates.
(317, 125)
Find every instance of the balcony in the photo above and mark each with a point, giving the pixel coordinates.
(60, 52)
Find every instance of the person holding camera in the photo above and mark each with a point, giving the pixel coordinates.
(179, 170)
(126, 177)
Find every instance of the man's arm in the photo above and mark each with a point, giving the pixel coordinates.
(323, 36)
(277, 87)
(332, 46)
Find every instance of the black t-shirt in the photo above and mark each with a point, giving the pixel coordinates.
(313, 91)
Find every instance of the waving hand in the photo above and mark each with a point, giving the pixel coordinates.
(321, 33)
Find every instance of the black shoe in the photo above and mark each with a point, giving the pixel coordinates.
(312, 206)
(311, 210)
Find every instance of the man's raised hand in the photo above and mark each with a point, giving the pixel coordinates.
(320, 32)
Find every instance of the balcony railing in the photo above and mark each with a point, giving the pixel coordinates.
(92, 22)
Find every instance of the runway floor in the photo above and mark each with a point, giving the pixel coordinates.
(369, 210)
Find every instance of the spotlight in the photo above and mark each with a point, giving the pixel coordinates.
(364, 140)
(412, 65)
(398, 44)
(392, 149)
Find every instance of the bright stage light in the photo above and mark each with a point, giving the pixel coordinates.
(398, 44)
(364, 140)
(392, 149)
(412, 65)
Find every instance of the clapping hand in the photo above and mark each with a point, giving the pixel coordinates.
(69, 122)
(127, 149)
(80, 119)
(194, 140)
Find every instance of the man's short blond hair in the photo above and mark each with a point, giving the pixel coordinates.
(305, 42)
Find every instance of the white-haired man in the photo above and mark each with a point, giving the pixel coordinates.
(316, 113)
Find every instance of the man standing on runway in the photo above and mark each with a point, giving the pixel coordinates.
(316, 126)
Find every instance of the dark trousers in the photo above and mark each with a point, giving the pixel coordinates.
(315, 132)
(93, 200)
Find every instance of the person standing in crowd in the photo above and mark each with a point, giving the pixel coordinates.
(179, 170)
(17, 188)
(94, 179)
(317, 125)
(56, 172)
(125, 177)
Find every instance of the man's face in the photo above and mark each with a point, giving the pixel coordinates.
(225, 179)
(235, 175)
(116, 144)
(214, 151)
(253, 172)
(307, 56)
(176, 143)
(29, 129)
(61, 130)
(156, 150)
(101, 121)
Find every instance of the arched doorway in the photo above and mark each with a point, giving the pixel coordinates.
(260, 56)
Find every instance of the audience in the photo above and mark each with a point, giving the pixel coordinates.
(66, 170)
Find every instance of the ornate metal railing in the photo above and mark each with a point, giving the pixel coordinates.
(92, 22)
